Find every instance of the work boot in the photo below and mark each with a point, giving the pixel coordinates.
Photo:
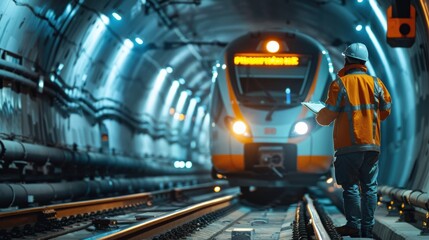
(348, 231)
(367, 233)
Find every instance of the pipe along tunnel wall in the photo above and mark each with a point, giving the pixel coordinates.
(23, 154)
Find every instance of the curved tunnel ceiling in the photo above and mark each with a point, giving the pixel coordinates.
(100, 55)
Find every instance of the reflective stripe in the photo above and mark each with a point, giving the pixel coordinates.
(386, 106)
(359, 108)
(332, 108)
(383, 104)
(349, 113)
(376, 102)
(336, 108)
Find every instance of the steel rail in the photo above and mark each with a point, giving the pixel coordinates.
(319, 230)
(155, 226)
(58, 211)
(32, 215)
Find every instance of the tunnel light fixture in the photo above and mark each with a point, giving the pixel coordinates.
(359, 1)
(84, 77)
(175, 84)
(182, 81)
(217, 64)
(181, 117)
(176, 164)
(59, 68)
(169, 69)
(172, 111)
(379, 14)
(188, 164)
(380, 52)
(117, 16)
(214, 77)
(359, 27)
(169, 99)
(181, 164)
(138, 40)
(104, 19)
(330, 67)
(224, 66)
(128, 43)
(41, 84)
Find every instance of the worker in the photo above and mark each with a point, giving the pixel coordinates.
(357, 102)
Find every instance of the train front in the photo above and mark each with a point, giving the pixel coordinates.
(260, 133)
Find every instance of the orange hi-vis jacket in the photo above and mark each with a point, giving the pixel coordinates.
(357, 102)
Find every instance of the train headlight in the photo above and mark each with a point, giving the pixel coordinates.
(303, 127)
(239, 127)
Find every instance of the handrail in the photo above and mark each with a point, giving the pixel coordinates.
(415, 198)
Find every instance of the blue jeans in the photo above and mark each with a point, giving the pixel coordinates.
(354, 170)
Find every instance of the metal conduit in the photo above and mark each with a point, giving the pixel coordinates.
(21, 195)
(11, 151)
(415, 198)
(92, 106)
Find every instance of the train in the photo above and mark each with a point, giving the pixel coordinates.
(260, 134)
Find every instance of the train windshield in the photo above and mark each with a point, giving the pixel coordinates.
(278, 84)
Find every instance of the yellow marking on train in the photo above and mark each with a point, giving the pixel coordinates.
(237, 112)
(313, 164)
(228, 162)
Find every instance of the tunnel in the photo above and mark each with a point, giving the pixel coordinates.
(105, 98)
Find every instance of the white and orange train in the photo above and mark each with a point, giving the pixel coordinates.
(261, 135)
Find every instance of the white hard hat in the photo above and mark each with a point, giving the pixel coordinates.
(357, 51)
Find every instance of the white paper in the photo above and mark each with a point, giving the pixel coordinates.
(314, 106)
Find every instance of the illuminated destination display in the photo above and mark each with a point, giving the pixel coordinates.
(266, 60)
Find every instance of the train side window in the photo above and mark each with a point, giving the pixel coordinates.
(216, 101)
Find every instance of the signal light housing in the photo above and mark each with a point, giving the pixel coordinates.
(401, 24)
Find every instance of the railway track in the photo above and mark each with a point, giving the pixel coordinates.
(58, 220)
(186, 213)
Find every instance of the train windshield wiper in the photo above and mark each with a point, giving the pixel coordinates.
(276, 103)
